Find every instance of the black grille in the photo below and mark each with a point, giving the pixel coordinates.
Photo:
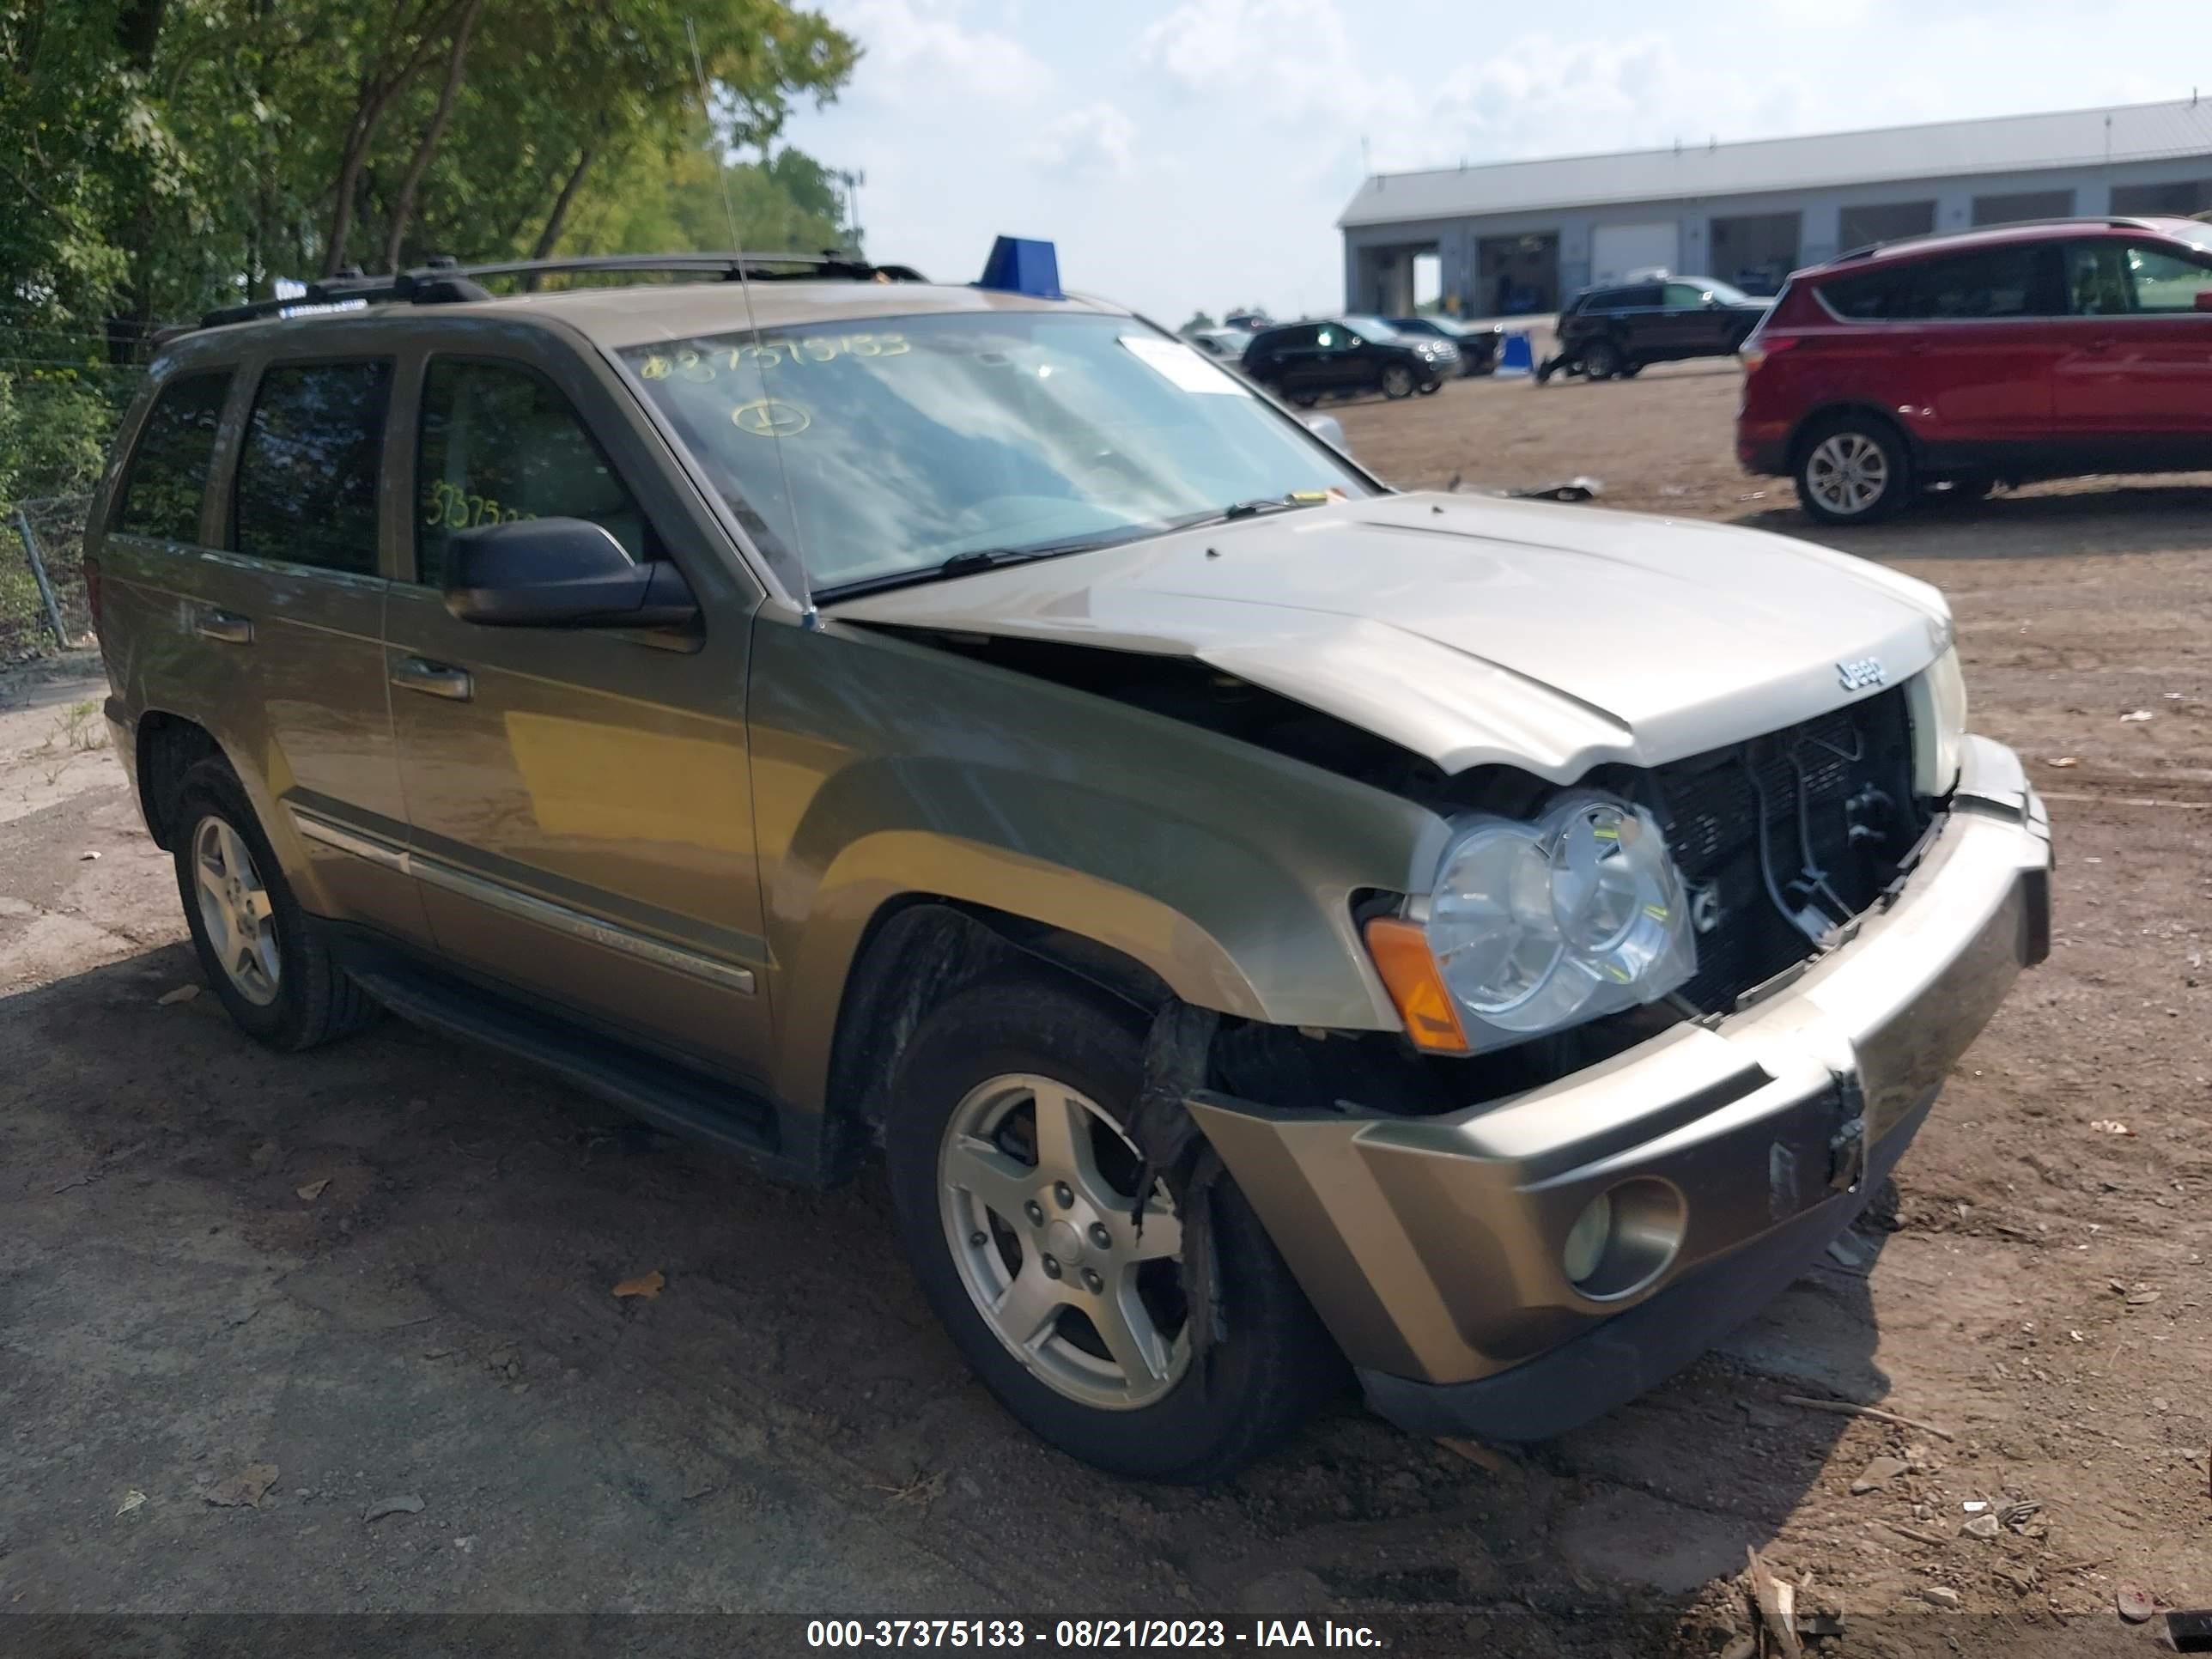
(1711, 806)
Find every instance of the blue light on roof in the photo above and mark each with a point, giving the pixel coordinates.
(1023, 265)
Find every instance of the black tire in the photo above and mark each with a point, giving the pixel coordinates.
(1303, 399)
(1432, 388)
(1249, 1390)
(315, 1000)
(1398, 381)
(1601, 359)
(1629, 370)
(1827, 457)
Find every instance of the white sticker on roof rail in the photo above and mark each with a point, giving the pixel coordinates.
(1182, 366)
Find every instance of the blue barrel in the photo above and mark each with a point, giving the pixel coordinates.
(1518, 356)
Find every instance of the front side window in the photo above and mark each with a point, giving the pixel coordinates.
(2107, 278)
(307, 471)
(497, 444)
(168, 478)
(1685, 297)
(875, 448)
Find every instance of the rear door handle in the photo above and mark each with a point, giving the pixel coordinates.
(225, 625)
(433, 679)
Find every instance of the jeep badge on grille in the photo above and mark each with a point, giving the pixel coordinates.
(1860, 672)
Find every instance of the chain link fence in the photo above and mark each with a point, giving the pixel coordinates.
(43, 602)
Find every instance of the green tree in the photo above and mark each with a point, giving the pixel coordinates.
(1198, 319)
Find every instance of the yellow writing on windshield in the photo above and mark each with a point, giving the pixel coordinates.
(774, 352)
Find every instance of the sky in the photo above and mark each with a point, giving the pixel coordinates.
(1195, 153)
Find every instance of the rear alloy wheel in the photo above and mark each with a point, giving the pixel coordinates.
(1398, 381)
(260, 951)
(1601, 359)
(1853, 470)
(1016, 1188)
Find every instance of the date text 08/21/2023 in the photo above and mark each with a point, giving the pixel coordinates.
(1104, 1635)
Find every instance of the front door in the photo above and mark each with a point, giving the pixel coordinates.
(2137, 359)
(579, 799)
(1691, 324)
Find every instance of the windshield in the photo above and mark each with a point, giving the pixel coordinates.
(893, 444)
(1727, 294)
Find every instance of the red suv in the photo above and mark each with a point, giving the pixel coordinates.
(1997, 356)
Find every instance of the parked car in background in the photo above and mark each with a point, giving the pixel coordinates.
(1608, 331)
(1304, 362)
(1477, 348)
(1981, 357)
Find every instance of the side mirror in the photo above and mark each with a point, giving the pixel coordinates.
(2205, 299)
(1329, 430)
(559, 572)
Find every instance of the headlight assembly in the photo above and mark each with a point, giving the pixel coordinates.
(1936, 700)
(1535, 926)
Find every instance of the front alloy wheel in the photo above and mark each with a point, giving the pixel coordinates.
(1016, 1185)
(1397, 381)
(1035, 1186)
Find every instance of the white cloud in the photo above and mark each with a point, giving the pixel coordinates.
(1097, 139)
(1293, 60)
(917, 51)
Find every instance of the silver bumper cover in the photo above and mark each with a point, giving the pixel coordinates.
(1432, 1247)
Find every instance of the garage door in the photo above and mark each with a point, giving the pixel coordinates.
(1618, 250)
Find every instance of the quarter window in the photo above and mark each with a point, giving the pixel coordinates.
(161, 493)
(308, 472)
(498, 444)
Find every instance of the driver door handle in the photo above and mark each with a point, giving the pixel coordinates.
(433, 679)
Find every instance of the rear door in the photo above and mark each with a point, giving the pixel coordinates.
(298, 630)
(1963, 344)
(2137, 356)
(579, 799)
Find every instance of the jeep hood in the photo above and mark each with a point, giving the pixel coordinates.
(1475, 630)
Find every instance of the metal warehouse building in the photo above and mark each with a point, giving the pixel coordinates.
(1521, 236)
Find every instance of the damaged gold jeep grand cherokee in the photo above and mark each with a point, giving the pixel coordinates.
(1267, 922)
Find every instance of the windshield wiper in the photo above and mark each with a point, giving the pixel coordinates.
(1252, 508)
(965, 564)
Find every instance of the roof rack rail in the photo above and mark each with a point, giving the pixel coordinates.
(2114, 221)
(443, 280)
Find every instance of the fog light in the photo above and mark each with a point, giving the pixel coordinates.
(1623, 1241)
(1587, 1239)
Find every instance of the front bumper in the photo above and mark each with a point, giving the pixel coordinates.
(1433, 1246)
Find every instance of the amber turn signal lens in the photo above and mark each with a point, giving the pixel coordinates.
(1401, 955)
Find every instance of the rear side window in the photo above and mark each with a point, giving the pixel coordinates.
(307, 471)
(2019, 280)
(167, 477)
(500, 444)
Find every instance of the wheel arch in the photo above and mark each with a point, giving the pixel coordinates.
(1820, 419)
(167, 747)
(918, 951)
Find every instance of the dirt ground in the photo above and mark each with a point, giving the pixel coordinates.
(383, 1269)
